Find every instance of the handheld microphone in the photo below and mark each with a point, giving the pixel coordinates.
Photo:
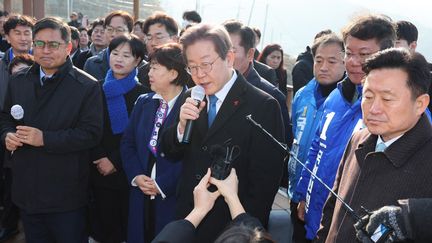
(197, 94)
(17, 112)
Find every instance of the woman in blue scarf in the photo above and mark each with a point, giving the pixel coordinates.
(110, 189)
(152, 177)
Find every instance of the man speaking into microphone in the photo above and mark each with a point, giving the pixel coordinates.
(221, 117)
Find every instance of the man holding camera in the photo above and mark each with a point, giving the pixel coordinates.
(219, 118)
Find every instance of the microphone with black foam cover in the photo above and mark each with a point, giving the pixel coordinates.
(17, 112)
(198, 95)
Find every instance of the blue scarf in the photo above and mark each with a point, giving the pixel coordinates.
(114, 90)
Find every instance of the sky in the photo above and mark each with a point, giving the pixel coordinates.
(293, 24)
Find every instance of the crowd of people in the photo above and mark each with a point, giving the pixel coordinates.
(109, 133)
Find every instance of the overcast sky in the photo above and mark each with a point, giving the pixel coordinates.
(293, 24)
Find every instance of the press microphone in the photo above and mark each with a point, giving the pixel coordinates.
(198, 95)
(17, 112)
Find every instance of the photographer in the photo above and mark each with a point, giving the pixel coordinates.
(410, 220)
(243, 228)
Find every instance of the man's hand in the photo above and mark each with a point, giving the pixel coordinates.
(30, 135)
(105, 166)
(388, 216)
(301, 210)
(12, 141)
(147, 185)
(189, 111)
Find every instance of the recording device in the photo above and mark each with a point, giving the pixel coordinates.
(222, 157)
(197, 94)
(17, 112)
(381, 233)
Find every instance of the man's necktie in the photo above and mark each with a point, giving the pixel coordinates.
(380, 147)
(212, 109)
(159, 119)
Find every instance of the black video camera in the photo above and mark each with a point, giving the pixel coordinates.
(222, 157)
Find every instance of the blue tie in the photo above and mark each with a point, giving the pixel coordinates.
(212, 109)
(380, 147)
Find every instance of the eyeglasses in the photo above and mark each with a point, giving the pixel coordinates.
(52, 45)
(115, 30)
(205, 67)
(157, 37)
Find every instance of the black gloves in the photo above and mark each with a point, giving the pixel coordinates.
(388, 216)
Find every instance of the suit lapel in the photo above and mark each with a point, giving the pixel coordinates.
(233, 101)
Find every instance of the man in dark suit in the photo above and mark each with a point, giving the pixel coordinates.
(219, 118)
(75, 44)
(51, 118)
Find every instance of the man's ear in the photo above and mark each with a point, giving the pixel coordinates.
(69, 47)
(230, 58)
(413, 45)
(422, 103)
(250, 54)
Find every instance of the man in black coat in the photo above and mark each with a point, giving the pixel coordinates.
(51, 118)
(258, 162)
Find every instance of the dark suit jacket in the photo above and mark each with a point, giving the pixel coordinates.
(266, 72)
(253, 78)
(97, 66)
(375, 179)
(67, 109)
(135, 154)
(82, 58)
(259, 165)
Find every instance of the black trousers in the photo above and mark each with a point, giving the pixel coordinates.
(299, 232)
(109, 214)
(10, 217)
(65, 227)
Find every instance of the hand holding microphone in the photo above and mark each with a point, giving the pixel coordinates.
(12, 141)
(190, 111)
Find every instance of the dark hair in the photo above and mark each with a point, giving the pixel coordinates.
(257, 32)
(17, 20)
(120, 13)
(74, 33)
(95, 23)
(327, 40)
(136, 45)
(80, 29)
(55, 24)
(3, 13)
(415, 65)
(406, 31)
(163, 19)
(280, 71)
(367, 27)
(216, 34)
(322, 33)
(140, 22)
(192, 15)
(170, 56)
(244, 234)
(247, 35)
(20, 59)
